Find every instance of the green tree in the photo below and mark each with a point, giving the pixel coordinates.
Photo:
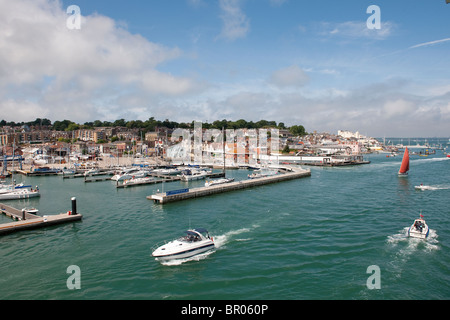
(297, 130)
(72, 127)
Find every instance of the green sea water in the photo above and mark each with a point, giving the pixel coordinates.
(312, 238)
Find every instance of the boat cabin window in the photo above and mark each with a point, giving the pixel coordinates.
(191, 237)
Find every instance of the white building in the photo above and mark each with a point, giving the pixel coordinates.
(348, 134)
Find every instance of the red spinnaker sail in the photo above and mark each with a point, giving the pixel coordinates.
(405, 162)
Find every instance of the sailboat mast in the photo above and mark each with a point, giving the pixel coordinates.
(223, 146)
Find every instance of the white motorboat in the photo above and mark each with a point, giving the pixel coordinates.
(190, 175)
(218, 181)
(31, 210)
(422, 187)
(20, 194)
(12, 187)
(195, 242)
(419, 229)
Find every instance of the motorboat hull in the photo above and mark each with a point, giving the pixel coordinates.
(424, 188)
(183, 254)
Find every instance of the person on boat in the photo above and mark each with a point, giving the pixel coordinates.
(418, 225)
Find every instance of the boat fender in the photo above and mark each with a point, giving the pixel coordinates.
(69, 212)
(212, 239)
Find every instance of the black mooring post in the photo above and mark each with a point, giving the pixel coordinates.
(23, 214)
(74, 206)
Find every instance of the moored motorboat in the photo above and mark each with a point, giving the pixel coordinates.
(419, 229)
(218, 181)
(195, 242)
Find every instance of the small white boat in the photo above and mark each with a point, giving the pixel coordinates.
(12, 187)
(128, 174)
(419, 229)
(195, 242)
(134, 181)
(404, 168)
(218, 181)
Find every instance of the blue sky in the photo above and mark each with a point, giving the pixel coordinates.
(299, 62)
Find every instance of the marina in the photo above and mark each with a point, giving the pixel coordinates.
(158, 178)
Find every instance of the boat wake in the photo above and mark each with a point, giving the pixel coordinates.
(411, 245)
(405, 248)
(220, 241)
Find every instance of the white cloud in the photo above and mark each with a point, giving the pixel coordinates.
(49, 69)
(356, 30)
(292, 76)
(235, 23)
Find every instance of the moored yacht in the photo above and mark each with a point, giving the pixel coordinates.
(419, 229)
(130, 174)
(189, 175)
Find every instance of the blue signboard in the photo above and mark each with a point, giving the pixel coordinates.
(174, 192)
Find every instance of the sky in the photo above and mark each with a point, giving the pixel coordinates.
(321, 64)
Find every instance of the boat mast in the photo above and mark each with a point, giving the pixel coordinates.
(223, 146)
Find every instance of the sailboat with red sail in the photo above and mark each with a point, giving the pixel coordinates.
(404, 168)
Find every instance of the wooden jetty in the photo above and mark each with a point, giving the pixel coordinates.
(29, 173)
(163, 198)
(165, 178)
(27, 221)
(85, 176)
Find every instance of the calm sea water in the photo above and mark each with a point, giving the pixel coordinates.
(312, 238)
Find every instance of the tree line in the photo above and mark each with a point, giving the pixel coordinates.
(150, 125)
